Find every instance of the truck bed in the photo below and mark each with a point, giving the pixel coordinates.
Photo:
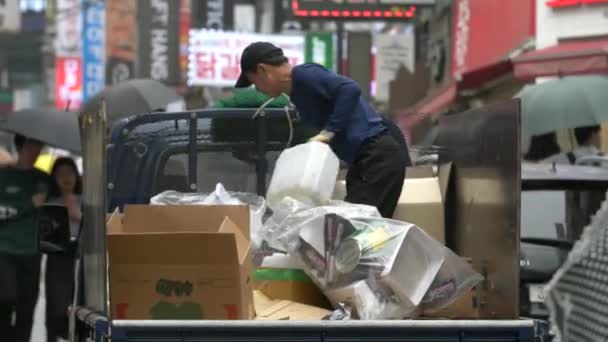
(322, 331)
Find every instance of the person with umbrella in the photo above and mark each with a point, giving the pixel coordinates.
(588, 139)
(22, 190)
(333, 104)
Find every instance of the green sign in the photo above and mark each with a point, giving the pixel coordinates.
(320, 49)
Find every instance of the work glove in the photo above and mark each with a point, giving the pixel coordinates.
(323, 137)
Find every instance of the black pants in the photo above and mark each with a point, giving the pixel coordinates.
(59, 283)
(19, 284)
(376, 177)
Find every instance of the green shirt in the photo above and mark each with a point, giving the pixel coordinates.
(18, 225)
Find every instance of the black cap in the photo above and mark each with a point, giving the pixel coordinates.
(254, 54)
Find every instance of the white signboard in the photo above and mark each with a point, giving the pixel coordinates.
(10, 15)
(69, 28)
(214, 56)
(392, 51)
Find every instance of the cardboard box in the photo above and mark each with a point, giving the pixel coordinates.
(288, 284)
(423, 197)
(271, 310)
(180, 262)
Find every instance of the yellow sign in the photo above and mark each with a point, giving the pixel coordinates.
(45, 162)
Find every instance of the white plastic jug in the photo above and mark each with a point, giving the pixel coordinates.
(306, 173)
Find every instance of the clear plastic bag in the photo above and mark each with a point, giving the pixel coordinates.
(257, 205)
(290, 214)
(454, 279)
(381, 268)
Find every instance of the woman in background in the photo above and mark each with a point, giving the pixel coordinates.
(66, 188)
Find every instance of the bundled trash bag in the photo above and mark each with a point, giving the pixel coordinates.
(289, 215)
(381, 268)
(257, 205)
(455, 278)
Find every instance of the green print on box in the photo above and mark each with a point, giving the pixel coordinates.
(166, 310)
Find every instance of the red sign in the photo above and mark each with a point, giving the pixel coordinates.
(486, 31)
(572, 3)
(184, 33)
(357, 10)
(68, 83)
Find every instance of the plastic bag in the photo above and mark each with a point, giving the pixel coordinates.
(289, 214)
(257, 205)
(454, 279)
(381, 268)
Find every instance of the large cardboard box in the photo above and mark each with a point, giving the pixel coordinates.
(282, 277)
(180, 262)
(288, 284)
(422, 200)
(270, 310)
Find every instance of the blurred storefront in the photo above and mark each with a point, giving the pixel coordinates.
(485, 36)
(21, 28)
(571, 39)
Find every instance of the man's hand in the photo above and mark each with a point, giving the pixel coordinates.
(38, 200)
(323, 137)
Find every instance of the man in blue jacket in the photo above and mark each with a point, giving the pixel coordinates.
(355, 131)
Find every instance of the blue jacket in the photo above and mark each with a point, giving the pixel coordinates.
(334, 103)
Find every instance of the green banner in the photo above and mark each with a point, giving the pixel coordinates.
(320, 49)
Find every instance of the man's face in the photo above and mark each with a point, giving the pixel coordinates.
(29, 152)
(271, 80)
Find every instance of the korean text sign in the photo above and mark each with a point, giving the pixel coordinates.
(93, 48)
(68, 82)
(214, 56)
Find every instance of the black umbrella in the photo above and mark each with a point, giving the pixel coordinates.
(52, 127)
(131, 98)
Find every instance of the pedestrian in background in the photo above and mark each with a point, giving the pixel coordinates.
(588, 139)
(65, 189)
(22, 190)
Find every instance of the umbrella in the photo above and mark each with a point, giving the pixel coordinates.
(131, 98)
(52, 127)
(565, 103)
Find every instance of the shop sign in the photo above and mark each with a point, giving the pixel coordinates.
(215, 14)
(573, 3)
(158, 40)
(320, 49)
(392, 52)
(68, 83)
(93, 48)
(121, 30)
(69, 28)
(10, 16)
(214, 56)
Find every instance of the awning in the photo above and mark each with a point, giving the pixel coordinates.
(410, 117)
(566, 58)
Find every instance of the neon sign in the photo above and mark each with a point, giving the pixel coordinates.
(573, 3)
(358, 10)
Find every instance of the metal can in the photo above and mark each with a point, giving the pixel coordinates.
(352, 249)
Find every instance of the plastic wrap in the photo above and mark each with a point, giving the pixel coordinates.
(380, 268)
(306, 172)
(257, 205)
(290, 214)
(455, 278)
